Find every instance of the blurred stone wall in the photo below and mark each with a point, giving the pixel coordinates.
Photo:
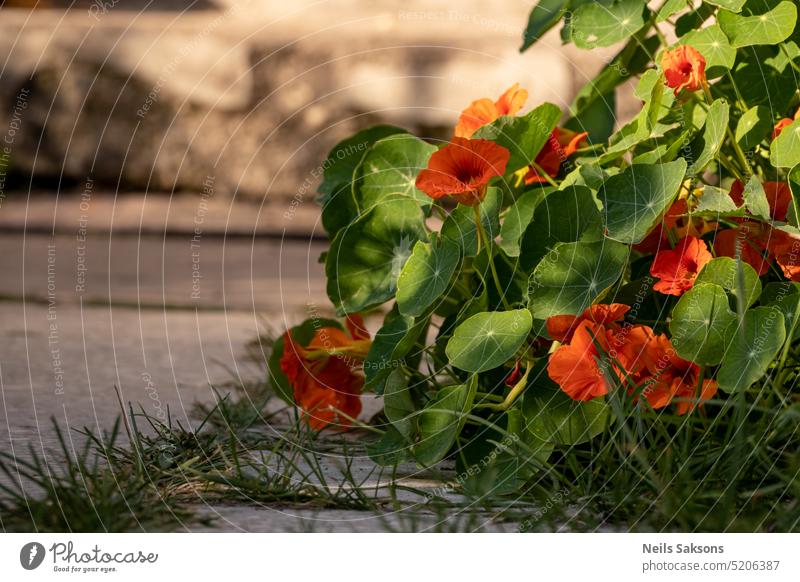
(250, 94)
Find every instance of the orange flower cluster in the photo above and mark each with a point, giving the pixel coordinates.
(758, 242)
(598, 350)
(462, 169)
(325, 375)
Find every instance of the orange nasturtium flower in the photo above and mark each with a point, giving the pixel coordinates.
(325, 375)
(671, 377)
(561, 144)
(462, 170)
(684, 68)
(678, 268)
(632, 353)
(484, 111)
(562, 327)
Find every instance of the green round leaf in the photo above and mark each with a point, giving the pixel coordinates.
(441, 420)
(670, 8)
(635, 200)
(732, 5)
(766, 80)
(398, 406)
(488, 340)
(755, 199)
(599, 24)
(459, 226)
(723, 271)
(784, 295)
(544, 16)
(389, 171)
(717, 203)
(346, 155)
(713, 45)
(518, 218)
(573, 275)
(770, 27)
(563, 216)
(426, 275)
(754, 345)
(366, 258)
(700, 323)
(657, 101)
(390, 346)
(338, 206)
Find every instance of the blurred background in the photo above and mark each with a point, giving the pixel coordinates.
(167, 95)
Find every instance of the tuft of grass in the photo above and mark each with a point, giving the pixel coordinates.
(81, 493)
(732, 466)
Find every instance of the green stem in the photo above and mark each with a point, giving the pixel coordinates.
(483, 239)
(360, 424)
(789, 58)
(787, 346)
(518, 389)
(544, 174)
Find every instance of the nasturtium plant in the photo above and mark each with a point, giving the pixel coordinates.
(543, 281)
